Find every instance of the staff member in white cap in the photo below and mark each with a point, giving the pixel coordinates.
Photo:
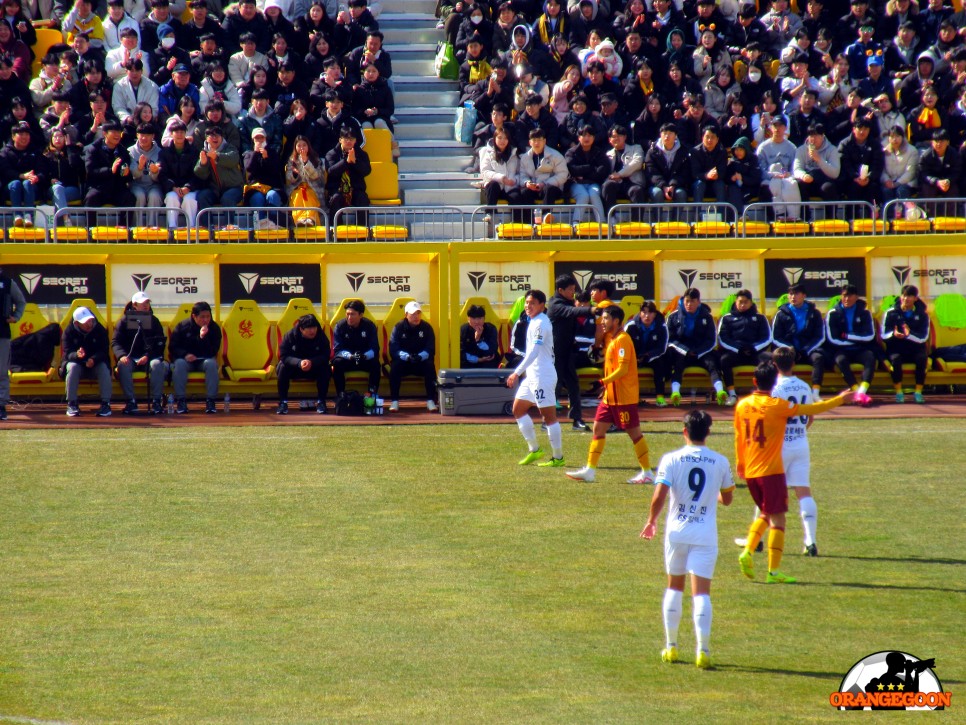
(85, 354)
(412, 351)
(140, 348)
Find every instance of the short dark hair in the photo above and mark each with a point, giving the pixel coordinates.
(796, 288)
(537, 133)
(307, 322)
(849, 289)
(649, 306)
(669, 127)
(746, 293)
(618, 130)
(564, 281)
(765, 376)
(198, 307)
(909, 289)
(357, 305)
(615, 311)
(692, 293)
(784, 359)
(697, 423)
(538, 296)
(476, 311)
(603, 285)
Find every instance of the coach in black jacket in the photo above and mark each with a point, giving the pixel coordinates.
(905, 329)
(799, 325)
(194, 346)
(140, 349)
(355, 342)
(412, 351)
(563, 314)
(479, 341)
(304, 355)
(851, 337)
(691, 340)
(348, 166)
(667, 167)
(85, 354)
(743, 336)
(648, 332)
(108, 166)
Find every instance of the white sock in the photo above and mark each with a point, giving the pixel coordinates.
(525, 424)
(718, 386)
(675, 388)
(702, 621)
(672, 615)
(556, 439)
(809, 511)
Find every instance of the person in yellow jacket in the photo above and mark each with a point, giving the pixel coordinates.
(620, 397)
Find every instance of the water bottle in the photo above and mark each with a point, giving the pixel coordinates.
(227, 403)
(369, 403)
(170, 403)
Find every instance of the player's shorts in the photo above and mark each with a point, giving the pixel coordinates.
(690, 559)
(770, 493)
(798, 464)
(623, 416)
(541, 391)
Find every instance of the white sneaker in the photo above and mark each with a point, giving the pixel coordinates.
(586, 473)
(394, 406)
(644, 477)
(431, 406)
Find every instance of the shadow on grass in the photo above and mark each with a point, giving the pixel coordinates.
(863, 585)
(898, 560)
(836, 676)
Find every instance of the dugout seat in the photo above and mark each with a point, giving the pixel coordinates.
(396, 313)
(337, 316)
(631, 304)
(46, 39)
(182, 313)
(68, 318)
(491, 316)
(297, 307)
(247, 344)
(31, 321)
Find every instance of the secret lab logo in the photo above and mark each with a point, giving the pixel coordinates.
(725, 280)
(513, 282)
(395, 283)
(833, 278)
(623, 281)
(181, 285)
(935, 276)
(476, 279)
(793, 274)
(891, 681)
(71, 285)
(289, 285)
(583, 276)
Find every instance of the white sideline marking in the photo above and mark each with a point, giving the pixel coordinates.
(30, 720)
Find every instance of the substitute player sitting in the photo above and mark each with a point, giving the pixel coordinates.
(697, 478)
(539, 386)
(760, 422)
(619, 400)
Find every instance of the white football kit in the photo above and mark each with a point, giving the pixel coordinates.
(795, 452)
(695, 475)
(540, 384)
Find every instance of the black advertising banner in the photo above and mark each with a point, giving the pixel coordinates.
(270, 284)
(630, 278)
(822, 277)
(59, 284)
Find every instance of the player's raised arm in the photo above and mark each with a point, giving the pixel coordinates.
(826, 405)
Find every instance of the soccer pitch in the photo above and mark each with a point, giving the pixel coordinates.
(416, 574)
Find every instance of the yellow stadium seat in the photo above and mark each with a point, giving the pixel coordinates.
(740, 69)
(752, 228)
(247, 340)
(271, 235)
(830, 226)
(771, 67)
(632, 229)
(671, 229)
(382, 184)
(231, 235)
(390, 233)
(149, 234)
(514, 231)
(46, 39)
(195, 234)
(89, 304)
(949, 224)
(310, 234)
(396, 313)
(378, 145)
(296, 308)
(791, 228)
(554, 230)
(32, 321)
(502, 325)
(591, 230)
(109, 234)
(22, 234)
(911, 226)
(712, 229)
(631, 304)
(69, 234)
(351, 233)
(868, 226)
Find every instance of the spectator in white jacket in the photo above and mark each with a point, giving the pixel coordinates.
(543, 173)
(116, 21)
(499, 169)
(900, 173)
(128, 50)
(217, 85)
(133, 89)
(241, 63)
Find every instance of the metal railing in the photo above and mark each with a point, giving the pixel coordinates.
(487, 222)
(818, 215)
(34, 225)
(264, 224)
(910, 216)
(687, 213)
(402, 223)
(117, 225)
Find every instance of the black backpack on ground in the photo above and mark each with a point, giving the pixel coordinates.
(349, 402)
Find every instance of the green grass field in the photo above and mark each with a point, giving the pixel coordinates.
(417, 574)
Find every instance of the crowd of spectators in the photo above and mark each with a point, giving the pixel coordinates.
(734, 101)
(189, 104)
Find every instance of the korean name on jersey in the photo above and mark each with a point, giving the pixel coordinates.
(695, 475)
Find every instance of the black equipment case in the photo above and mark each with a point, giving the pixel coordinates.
(475, 391)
